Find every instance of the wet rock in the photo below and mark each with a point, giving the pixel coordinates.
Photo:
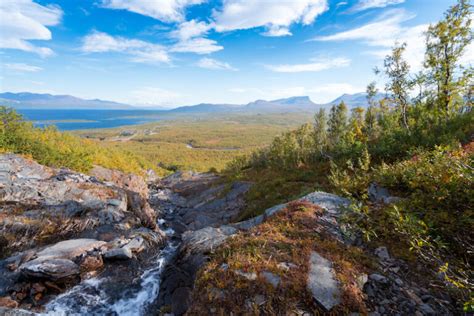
(53, 269)
(271, 278)
(322, 282)
(180, 300)
(119, 254)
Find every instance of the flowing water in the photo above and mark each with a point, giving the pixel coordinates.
(93, 296)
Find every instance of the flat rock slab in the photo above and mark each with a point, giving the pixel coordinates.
(69, 249)
(322, 282)
(54, 269)
(207, 239)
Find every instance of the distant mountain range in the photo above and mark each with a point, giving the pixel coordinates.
(26, 100)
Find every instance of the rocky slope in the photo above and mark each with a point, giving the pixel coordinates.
(59, 227)
(112, 244)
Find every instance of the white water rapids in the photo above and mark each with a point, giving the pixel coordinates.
(89, 297)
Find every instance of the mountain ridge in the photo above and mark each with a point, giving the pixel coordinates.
(28, 100)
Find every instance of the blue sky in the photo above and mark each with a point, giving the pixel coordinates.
(177, 52)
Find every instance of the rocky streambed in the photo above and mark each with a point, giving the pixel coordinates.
(100, 244)
(113, 244)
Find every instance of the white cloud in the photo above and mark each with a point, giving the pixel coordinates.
(314, 66)
(369, 4)
(209, 63)
(275, 16)
(20, 67)
(140, 51)
(198, 45)
(164, 10)
(152, 96)
(24, 20)
(277, 31)
(190, 36)
(384, 32)
(191, 29)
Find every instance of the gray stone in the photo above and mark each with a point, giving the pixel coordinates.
(70, 249)
(286, 266)
(271, 278)
(251, 276)
(135, 245)
(382, 253)
(380, 194)
(426, 309)
(119, 253)
(50, 268)
(322, 282)
(206, 239)
(362, 280)
(378, 278)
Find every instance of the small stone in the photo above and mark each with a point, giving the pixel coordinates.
(361, 280)
(286, 266)
(114, 202)
(119, 253)
(378, 278)
(135, 245)
(382, 253)
(385, 302)
(225, 266)
(399, 281)
(271, 278)
(425, 298)
(426, 309)
(251, 276)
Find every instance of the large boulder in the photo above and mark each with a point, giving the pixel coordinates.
(57, 262)
(126, 181)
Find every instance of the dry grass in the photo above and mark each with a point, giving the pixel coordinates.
(288, 237)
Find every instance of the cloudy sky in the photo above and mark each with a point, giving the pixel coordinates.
(177, 52)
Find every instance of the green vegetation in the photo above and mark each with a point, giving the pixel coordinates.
(56, 149)
(289, 237)
(201, 144)
(417, 142)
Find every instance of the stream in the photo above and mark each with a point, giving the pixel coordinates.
(97, 296)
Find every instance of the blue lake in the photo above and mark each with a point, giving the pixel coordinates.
(90, 118)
